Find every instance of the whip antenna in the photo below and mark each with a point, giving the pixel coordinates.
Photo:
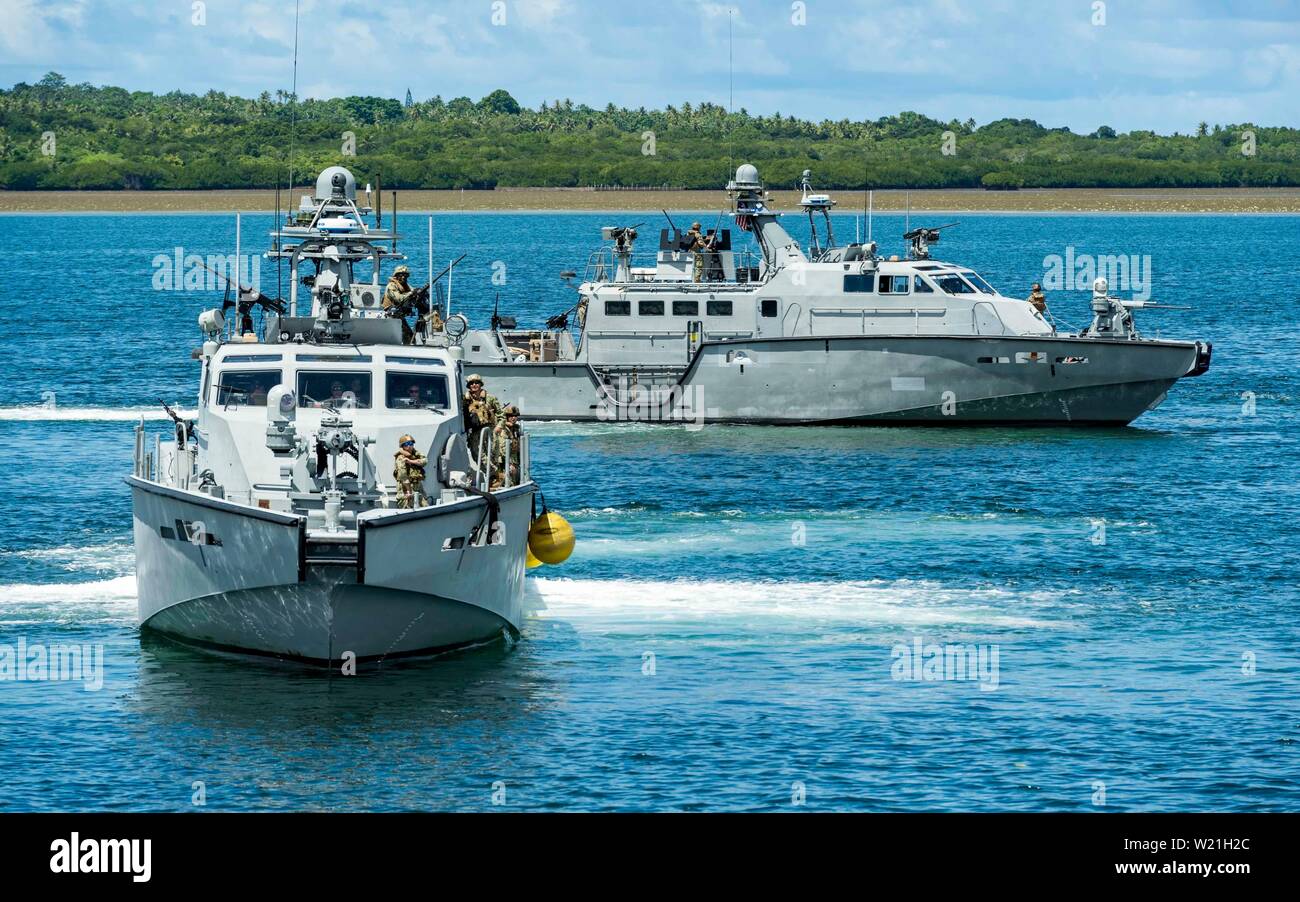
(293, 97)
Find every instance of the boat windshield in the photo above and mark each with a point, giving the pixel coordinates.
(953, 284)
(978, 282)
(412, 390)
(245, 388)
(336, 390)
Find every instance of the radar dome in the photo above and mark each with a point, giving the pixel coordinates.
(325, 183)
(747, 174)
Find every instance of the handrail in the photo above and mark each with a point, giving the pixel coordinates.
(485, 464)
(505, 475)
(974, 320)
(796, 306)
(901, 310)
(483, 460)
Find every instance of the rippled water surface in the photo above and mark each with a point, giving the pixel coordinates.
(724, 635)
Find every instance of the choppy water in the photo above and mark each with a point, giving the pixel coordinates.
(764, 575)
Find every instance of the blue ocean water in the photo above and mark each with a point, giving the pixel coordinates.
(725, 635)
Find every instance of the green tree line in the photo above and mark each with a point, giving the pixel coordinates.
(55, 135)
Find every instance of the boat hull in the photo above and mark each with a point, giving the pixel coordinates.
(229, 577)
(891, 380)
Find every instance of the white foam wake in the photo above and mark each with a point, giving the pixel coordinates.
(618, 601)
(98, 601)
(902, 602)
(36, 413)
(113, 557)
(106, 591)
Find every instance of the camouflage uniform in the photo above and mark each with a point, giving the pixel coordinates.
(1038, 299)
(480, 415)
(408, 472)
(397, 297)
(701, 246)
(504, 432)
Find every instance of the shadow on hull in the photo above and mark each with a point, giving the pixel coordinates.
(1100, 405)
(156, 639)
(326, 625)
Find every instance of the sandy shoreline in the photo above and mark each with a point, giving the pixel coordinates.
(1068, 200)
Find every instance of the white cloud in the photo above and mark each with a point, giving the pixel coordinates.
(1161, 64)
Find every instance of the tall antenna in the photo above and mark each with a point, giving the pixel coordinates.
(866, 194)
(731, 93)
(293, 124)
(293, 96)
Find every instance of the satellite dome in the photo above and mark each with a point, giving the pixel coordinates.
(746, 174)
(325, 183)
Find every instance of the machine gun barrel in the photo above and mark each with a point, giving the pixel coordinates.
(183, 426)
(276, 304)
(446, 269)
(1153, 305)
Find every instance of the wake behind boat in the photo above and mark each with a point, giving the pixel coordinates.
(280, 521)
(831, 335)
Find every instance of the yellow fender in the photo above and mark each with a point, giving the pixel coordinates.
(550, 538)
(531, 561)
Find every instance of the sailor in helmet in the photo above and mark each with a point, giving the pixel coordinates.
(506, 433)
(1038, 299)
(701, 246)
(398, 299)
(408, 473)
(482, 412)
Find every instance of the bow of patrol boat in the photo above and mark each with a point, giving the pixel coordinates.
(323, 504)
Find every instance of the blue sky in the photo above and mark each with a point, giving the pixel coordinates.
(1159, 64)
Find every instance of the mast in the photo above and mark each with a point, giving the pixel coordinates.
(752, 215)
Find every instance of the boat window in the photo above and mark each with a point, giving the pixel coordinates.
(650, 308)
(618, 308)
(686, 308)
(252, 358)
(978, 283)
(769, 307)
(414, 361)
(920, 286)
(953, 284)
(334, 358)
(717, 308)
(334, 390)
(893, 285)
(245, 388)
(412, 390)
(857, 282)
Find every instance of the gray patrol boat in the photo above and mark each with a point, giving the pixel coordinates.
(829, 335)
(271, 522)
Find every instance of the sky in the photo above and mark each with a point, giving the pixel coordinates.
(1164, 65)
